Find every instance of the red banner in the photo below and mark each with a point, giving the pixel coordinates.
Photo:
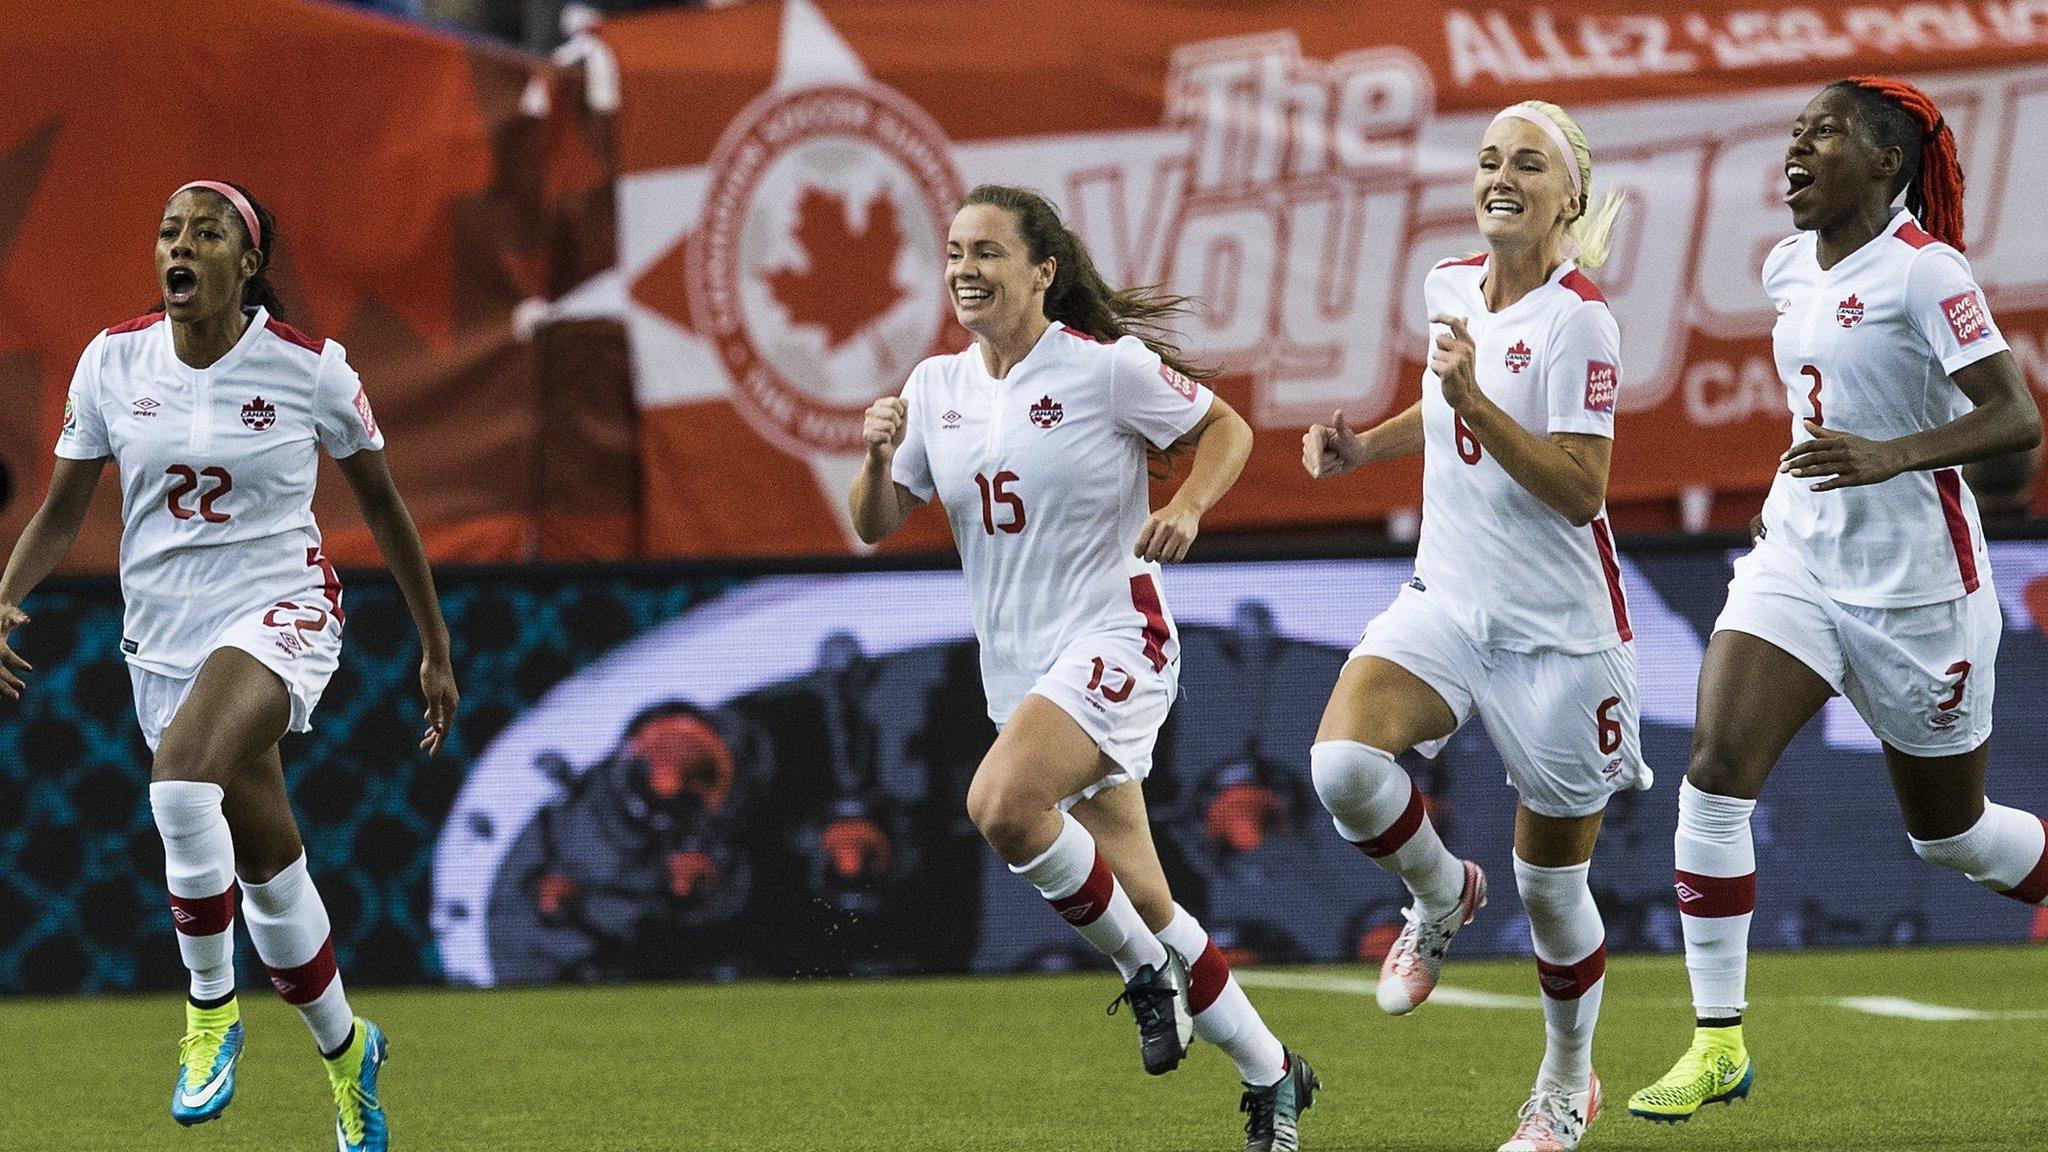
(787, 172)
(421, 184)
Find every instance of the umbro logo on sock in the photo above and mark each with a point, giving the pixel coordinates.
(1687, 893)
(1079, 913)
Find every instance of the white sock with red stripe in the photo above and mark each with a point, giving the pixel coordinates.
(2006, 850)
(1077, 881)
(1378, 808)
(1716, 897)
(288, 924)
(1571, 967)
(1224, 1015)
(199, 869)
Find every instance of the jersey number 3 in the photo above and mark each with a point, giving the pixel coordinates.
(1813, 397)
(188, 482)
(993, 492)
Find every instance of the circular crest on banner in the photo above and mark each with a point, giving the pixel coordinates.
(816, 267)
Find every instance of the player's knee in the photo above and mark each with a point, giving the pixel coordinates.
(183, 757)
(1007, 816)
(1717, 767)
(1348, 774)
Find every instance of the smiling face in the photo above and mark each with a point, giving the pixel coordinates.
(990, 276)
(203, 257)
(1833, 168)
(1521, 191)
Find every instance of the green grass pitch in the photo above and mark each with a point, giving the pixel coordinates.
(1031, 1063)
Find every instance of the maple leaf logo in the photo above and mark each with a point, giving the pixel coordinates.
(1850, 313)
(849, 277)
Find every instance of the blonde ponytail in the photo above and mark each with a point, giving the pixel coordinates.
(1589, 230)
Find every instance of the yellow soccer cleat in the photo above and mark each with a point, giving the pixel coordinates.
(1715, 1070)
(358, 1117)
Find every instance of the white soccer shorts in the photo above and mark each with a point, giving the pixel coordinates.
(1108, 684)
(299, 642)
(1921, 677)
(1564, 724)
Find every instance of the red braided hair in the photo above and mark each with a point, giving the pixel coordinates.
(1935, 193)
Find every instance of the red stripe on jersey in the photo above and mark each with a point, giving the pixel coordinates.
(137, 324)
(204, 915)
(1712, 896)
(1571, 981)
(1206, 979)
(1584, 287)
(291, 335)
(1402, 830)
(2034, 888)
(1091, 900)
(305, 983)
(1913, 235)
(1467, 262)
(1145, 598)
(1949, 483)
(1612, 569)
(1070, 330)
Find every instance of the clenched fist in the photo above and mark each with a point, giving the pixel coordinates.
(1331, 449)
(883, 426)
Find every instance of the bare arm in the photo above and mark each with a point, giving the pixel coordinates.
(878, 503)
(2002, 419)
(1565, 470)
(1223, 441)
(1333, 449)
(49, 535)
(399, 541)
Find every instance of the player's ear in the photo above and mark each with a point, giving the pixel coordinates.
(1046, 272)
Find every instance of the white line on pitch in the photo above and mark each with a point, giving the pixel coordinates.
(1902, 1009)
(1358, 986)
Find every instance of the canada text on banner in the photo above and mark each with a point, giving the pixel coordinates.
(787, 172)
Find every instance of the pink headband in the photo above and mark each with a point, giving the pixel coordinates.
(1550, 129)
(248, 213)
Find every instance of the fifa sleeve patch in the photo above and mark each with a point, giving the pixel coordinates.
(1177, 382)
(363, 412)
(1965, 315)
(1600, 384)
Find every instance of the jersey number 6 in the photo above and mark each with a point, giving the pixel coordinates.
(188, 481)
(1468, 440)
(992, 494)
(1610, 726)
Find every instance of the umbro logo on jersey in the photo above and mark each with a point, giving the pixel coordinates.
(1965, 314)
(146, 406)
(259, 415)
(1518, 357)
(1849, 313)
(950, 419)
(1046, 412)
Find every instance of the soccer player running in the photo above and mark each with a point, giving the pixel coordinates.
(212, 411)
(1037, 438)
(1516, 612)
(1869, 576)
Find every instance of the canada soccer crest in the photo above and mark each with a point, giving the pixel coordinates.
(1518, 357)
(1046, 412)
(814, 271)
(259, 414)
(1850, 312)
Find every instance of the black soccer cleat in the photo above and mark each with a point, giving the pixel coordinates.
(1159, 1001)
(1273, 1113)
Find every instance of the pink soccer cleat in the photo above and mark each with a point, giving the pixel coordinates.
(1555, 1121)
(1408, 975)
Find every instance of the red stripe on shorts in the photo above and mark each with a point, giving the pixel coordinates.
(1401, 830)
(1206, 979)
(1716, 895)
(2034, 888)
(204, 915)
(1949, 483)
(1091, 900)
(1571, 981)
(1145, 598)
(304, 984)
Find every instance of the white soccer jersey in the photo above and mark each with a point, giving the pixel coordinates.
(1043, 475)
(217, 468)
(1867, 347)
(1510, 568)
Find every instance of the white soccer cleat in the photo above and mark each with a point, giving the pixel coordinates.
(1555, 1121)
(1409, 973)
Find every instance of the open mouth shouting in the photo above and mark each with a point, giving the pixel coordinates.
(181, 283)
(1798, 178)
